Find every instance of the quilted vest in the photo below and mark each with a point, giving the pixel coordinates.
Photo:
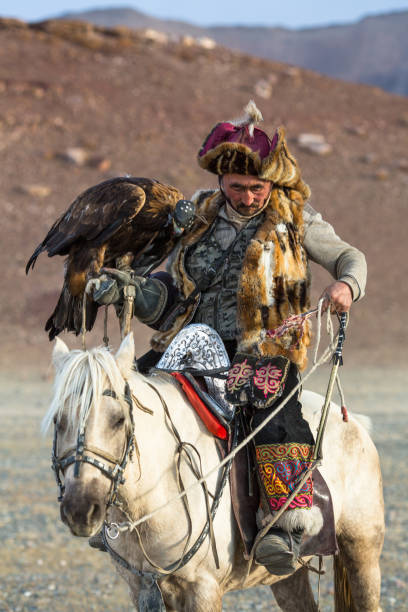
(218, 304)
(273, 280)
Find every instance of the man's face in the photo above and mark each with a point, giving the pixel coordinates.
(246, 194)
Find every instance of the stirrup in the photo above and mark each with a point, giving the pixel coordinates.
(278, 551)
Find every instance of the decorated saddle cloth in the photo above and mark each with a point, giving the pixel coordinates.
(256, 381)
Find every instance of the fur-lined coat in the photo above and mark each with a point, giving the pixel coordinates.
(274, 281)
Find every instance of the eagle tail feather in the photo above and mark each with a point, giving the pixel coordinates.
(67, 315)
(33, 258)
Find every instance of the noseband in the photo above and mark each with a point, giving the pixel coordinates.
(77, 454)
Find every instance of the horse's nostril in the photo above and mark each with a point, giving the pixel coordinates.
(94, 514)
(80, 515)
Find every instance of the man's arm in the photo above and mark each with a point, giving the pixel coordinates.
(345, 263)
(155, 295)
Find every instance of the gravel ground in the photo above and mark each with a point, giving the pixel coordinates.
(42, 567)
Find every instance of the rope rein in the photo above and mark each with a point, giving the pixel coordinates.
(317, 362)
(112, 530)
(193, 458)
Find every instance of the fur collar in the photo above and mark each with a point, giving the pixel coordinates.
(274, 280)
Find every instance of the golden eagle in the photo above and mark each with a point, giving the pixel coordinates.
(121, 216)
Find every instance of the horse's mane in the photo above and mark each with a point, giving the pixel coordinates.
(81, 380)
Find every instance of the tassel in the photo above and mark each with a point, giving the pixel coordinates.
(345, 414)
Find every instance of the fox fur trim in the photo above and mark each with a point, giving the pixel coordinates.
(274, 281)
(309, 519)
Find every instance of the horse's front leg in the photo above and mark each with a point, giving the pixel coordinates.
(133, 583)
(204, 598)
(295, 593)
(181, 595)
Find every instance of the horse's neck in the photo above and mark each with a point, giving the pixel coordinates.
(157, 444)
(165, 535)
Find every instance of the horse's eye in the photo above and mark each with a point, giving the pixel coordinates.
(119, 423)
(62, 423)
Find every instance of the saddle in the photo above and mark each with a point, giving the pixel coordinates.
(243, 485)
(198, 348)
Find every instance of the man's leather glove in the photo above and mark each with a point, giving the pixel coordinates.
(150, 299)
(106, 291)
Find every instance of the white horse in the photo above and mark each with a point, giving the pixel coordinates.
(89, 408)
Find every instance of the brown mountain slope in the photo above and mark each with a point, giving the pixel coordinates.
(373, 50)
(79, 104)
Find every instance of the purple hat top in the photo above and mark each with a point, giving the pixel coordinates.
(242, 131)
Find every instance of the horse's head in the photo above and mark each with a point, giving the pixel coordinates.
(93, 438)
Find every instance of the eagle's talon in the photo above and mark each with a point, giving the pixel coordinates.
(123, 278)
(92, 285)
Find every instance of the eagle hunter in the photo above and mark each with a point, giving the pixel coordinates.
(139, 218)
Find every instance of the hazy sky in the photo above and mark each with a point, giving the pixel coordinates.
(295, 14)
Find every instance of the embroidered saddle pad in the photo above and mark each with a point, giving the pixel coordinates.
(256, 381)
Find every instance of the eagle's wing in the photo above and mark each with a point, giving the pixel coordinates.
(96, 214)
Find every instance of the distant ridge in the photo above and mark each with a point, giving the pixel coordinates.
(373, 50)
(132, 18)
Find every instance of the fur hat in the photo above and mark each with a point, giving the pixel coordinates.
(238, 147)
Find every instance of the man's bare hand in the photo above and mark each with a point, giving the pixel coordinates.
(338, 296)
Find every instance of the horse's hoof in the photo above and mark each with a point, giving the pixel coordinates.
(278, 551)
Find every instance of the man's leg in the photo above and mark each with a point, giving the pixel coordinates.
(283, 450)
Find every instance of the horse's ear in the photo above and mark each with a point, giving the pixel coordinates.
(59, 352)
(126, 355)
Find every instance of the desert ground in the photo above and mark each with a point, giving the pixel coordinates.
(43, 567)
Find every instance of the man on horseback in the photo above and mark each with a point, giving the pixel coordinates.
(242, 270)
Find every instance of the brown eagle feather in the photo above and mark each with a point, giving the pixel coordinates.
(108, 220)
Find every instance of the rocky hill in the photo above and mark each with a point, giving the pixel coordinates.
(80, 103)
(373, 50)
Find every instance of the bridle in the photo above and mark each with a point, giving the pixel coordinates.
(78, 454)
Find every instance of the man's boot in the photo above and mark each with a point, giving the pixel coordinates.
(278, 551)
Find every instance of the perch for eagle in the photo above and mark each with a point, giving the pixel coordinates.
(138, 219)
